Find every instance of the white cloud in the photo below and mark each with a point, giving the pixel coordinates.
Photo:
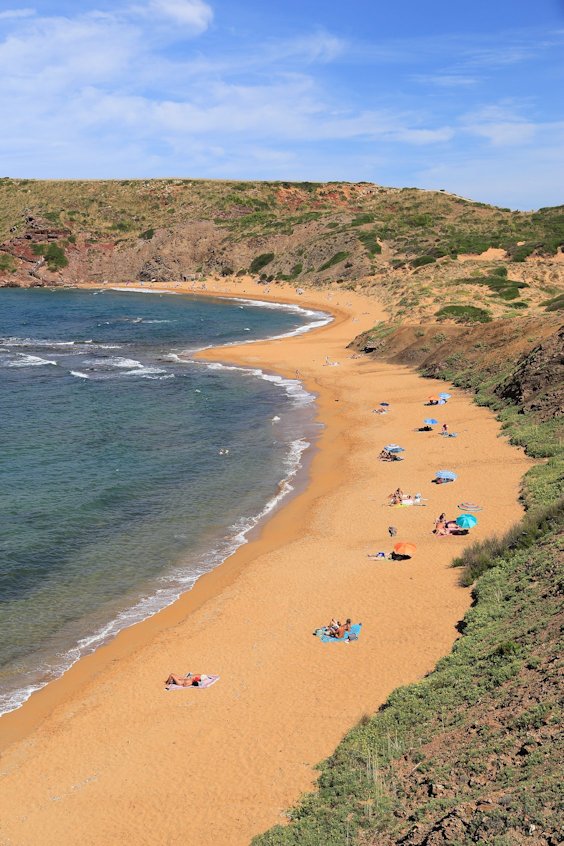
(192, 14)
(446, 80)
(12, 14)
(501, 124)
(426, 136)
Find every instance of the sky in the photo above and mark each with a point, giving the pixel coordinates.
(465, 97)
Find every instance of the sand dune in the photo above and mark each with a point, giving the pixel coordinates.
(106, 756)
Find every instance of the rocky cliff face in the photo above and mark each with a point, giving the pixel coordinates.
(537, 383)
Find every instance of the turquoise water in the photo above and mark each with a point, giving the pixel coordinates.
(126, 468)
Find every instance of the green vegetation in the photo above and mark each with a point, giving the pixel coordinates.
(7, 263)
(294, 273)
(464, 314)
(361, 219)
(472, 753)
(147, 234)
(337, 259)
(420, 261)
(370, 241)
(555, 303)
(507, 289)
(261, 261)
(53, 254)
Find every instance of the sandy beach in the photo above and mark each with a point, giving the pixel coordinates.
(106, 756)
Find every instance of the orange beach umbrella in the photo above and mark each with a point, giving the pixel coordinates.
(433, 399)
(403, 548)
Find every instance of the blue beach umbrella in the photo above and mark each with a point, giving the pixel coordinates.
(394, 448)
(445, 396)
(430, 421)
(447, 475)
(466, 521)
(384, 403)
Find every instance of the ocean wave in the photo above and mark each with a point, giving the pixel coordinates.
(293, 387)
(28, 361)
(142, 291)
(44, 343)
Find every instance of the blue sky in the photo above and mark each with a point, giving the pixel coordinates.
(436, 94)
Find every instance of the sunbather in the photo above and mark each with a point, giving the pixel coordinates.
(441, 529)
(340, 633)
(186, 681)
(444, 429)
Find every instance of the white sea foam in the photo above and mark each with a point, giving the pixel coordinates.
(28, 361)
(80, 375)
(318, 318)
(143, 290)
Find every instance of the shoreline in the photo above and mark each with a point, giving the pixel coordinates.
(243, 531)
(256, 735)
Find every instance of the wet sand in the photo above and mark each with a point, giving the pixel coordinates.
(106, 756)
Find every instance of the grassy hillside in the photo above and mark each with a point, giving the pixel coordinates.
(474, 752)
(405, 243)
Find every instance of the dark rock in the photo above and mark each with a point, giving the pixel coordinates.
(537, 382)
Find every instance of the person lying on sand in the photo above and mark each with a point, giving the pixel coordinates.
(340, 633)
(388, 456)
(186, 681)
(333, 627)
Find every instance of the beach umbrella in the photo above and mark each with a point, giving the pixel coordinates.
(430, 421)
(448, 475)
(433, 399)
(403, 548)
(445, 396)
(384, 403)
(466, 521)
(394, 448)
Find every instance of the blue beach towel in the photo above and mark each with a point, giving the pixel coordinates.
(351, 635)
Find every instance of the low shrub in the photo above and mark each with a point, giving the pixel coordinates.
(370, 241)
(361, 219)
(260, 261)
(420, 261)
(337, 259)
(464, 314)
(53, 254)
(555, 303)
(147, 234)
(7, 262)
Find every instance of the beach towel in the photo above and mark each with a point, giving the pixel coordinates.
(350, 636)
(205, 683)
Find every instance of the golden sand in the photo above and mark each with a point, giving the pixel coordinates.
(105, 756)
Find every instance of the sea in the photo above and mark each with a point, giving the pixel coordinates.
(127, 468)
